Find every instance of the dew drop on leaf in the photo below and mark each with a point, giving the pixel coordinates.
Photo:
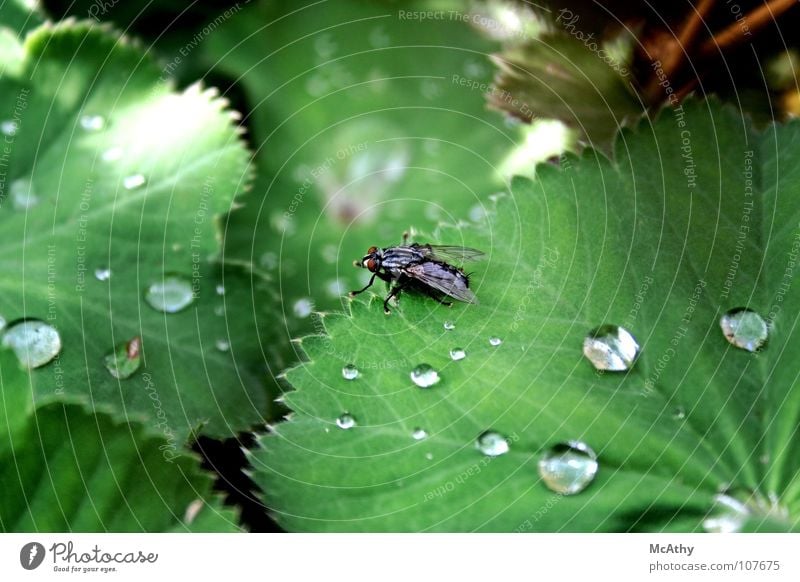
(492, 444)
(611, 348)
(92, 122)
(457, 354)
(349, 372)
(728, 515)
(449, 325)
(495, 341)
(679, 413)
(302, 308)
(9, 127)
(568, 468)
(102, 274)
(34, 342)
(220, 289)
(170, 295)
(222, 345)
(134, 181)
(23, 196)
(424, 376)
(112, 154)
(419, 434)
(744, 328)
(346, 421)
(126, 358)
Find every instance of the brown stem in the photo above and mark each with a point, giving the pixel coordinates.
(741, 29)
(679, 47)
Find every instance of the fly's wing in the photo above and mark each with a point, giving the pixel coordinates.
(451, 253)
(444, 278)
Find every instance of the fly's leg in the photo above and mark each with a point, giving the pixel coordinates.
(432, 294)
(404, 241)
(395, 291)
(371, 281)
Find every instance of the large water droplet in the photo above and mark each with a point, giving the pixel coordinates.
(346, 421)
(744, 328)
(125, 359)
(303, 307)
(568, 468)
(610, 347)
(492, 443)
(134, 181)
(728, 515)
(457, 354)
(23, 196)
(419, 434)
(102, 274)
(34, 342)
(92, 122)
(349, 372)
(9, 127)
(170, 295)
(449, 325)
(495, 341)
(424, 376)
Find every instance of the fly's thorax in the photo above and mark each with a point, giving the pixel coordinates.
(400, 257)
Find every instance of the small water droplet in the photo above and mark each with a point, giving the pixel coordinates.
(419, 434)
(9, 127)
(92, 122)
(220, 289)
(346, 421)
(477, 213)
(449, 325)
(729, 515)
(219, 310)
(34, 342)
(429, 456)
(335, 288)
(568, 468)
(744, 328)
(325, 46)
(125, 359)
(134, 181)
(23, 196)
(424, 376)
(349, 372)
(679, 413)
(112, 154)
(170, 295)
(610, 347)
(102, 274)
(492, 444)
(222, 345)
(457, 354)
(303, 307)
(495, 341)
(268, 261)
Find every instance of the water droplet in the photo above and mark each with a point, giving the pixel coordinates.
(125, 359)
(268, 260)
(679, 413)
(457, 354)
(429, 456)
(303, 307)
(22, 194)
(34, 342)
(610, 347)
(349, 372)
(134, 181)
(325, 45)
(170, 295)
(419, 434)
(492, 443)
(92, 122)
(744, 328)
(335, 288)
(449, 325)
(424, 376)
(9, 127)
(568, 468)
(102, 274)
(220, 289)
(219, 310)
(222, 345)
(346, 421)
(477, 213)
(729, 515)
(495, 341)
(112, 154)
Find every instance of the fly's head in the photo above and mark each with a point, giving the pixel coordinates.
(372, 260)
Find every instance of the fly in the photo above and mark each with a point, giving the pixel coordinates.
(420, 267)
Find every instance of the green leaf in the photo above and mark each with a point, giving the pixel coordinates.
(110, 184)
(652, 242)
(557, 76)
(65, 469)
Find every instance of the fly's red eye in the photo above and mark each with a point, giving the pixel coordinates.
(371, 250)
(371, 264)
